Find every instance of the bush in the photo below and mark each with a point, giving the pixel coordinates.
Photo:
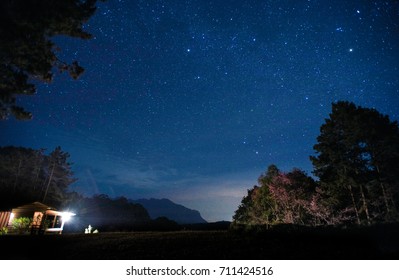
(21, 225)
(3, 231)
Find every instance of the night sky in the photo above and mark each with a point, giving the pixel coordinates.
(192, 100)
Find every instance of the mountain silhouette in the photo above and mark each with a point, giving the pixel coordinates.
(166, 208)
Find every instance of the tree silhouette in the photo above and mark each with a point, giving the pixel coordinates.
(27, 52)
(358, 162)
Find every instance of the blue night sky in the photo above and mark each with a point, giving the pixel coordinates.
(191, 100)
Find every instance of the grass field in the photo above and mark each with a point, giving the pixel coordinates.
(309, 244)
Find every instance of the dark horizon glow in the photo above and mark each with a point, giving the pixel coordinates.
(192, 100)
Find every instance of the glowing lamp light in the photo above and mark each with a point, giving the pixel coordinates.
(66, 216)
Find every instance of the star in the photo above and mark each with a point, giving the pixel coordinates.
(211, 77)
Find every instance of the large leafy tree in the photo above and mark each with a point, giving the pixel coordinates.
(27, 51)
(258, 206)
(283, 198)
(357, 161)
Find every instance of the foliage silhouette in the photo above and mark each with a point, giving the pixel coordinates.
(28, 53)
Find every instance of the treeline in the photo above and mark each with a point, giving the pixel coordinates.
(28, 175)
(357, 165)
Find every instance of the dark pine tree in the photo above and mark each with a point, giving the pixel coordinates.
(58, 176)
(357, 162)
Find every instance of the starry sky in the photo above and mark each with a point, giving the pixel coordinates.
(191, 100)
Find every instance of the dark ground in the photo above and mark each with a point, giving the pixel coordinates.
(376, 243)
